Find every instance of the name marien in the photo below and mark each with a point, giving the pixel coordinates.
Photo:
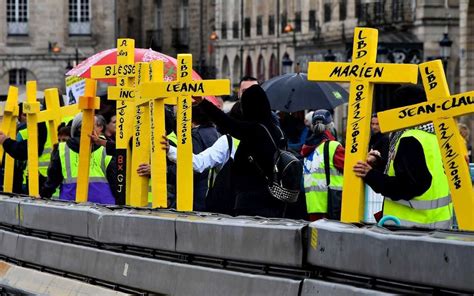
(357, 71)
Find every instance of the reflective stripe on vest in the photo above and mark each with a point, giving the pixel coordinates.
(314, 178)
(432, 209)
(97, 174)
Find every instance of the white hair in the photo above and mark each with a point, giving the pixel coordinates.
(319, 127)
(308, 119)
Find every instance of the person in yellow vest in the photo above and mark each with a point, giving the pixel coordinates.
(64, 166)
(321, 147)
(414, 184)
(18, 150)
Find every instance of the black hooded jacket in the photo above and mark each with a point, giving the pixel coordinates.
(250, 185)
(55, 175)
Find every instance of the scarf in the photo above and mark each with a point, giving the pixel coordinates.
(395, 137)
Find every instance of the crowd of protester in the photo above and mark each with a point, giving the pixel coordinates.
(234, 159)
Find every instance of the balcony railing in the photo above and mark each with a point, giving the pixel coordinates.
(384, 13)
(155, 39)
(180, 38)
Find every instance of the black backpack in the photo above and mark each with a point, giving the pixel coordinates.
(285, 184)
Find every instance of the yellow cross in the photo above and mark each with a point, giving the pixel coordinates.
(441, 108)
(362, 73)
(10, 113)
(185, 87)
(141, 140)
(54, 114)
(31, 108)
(124, 92)
(88, 103)
(157, 128)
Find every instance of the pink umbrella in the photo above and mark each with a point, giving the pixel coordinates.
(109, 56)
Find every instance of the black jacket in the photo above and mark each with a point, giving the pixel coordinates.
(55, 175)
(412, 177)
(381, 143)
(19, 150)
(252, 196)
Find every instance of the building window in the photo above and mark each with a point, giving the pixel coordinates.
(235, 29)
(247, 24)
(342, 10)
(397, 10)
(327, 12)
(358, 9)
(312, 20)
(271, 25)
(224, 30)
(259, 25)
(378, 12)
(79, 17)
(284, 21)
(184, 14)
(298, 21)
(159, 14)
(17, 17)
(17, 77)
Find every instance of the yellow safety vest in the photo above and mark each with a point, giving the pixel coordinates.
(99, 189)
(434, 208)
(314, 177)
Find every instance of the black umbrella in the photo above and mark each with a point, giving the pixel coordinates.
(293, 92)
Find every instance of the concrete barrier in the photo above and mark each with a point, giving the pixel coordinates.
(438, 259)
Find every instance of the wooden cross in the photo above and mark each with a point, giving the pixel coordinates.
(31, 108)
(362, 73)
(185, 87)
(141, 140)
(157, 128)
(10, 113)
(88, 103)
(124, 93)
(441, 108)
(54, 114)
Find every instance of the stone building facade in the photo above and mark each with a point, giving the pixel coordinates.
(252, 38)
(40, 40)
(171, 27)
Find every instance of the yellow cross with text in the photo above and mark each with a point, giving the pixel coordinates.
(157, 128)
(362, 73)
(141, 140)
(31, 108)
(10, 113)
(124, 93)
(54, 114)
(441, 108)
(88, 103)
(185, 87)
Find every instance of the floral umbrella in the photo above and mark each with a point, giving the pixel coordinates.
(109, 56)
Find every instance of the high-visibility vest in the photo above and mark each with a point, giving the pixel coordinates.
(99, 189)
(45, 158)
(314, 178)
(432, 209)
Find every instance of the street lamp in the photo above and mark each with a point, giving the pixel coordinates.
(445, 49)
